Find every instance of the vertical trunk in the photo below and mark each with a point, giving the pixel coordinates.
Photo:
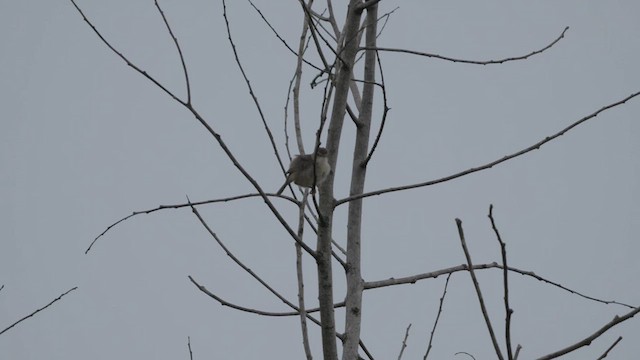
(353, 318)
(344, 65)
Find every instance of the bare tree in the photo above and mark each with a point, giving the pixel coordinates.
(349, 74)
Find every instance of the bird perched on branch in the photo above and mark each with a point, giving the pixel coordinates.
(301, 170)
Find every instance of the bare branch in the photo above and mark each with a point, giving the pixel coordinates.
(189, 346)
(353, 297)
(505, 278)
(211, 131)
(297, 54)
(384, 113)
(347, 49)
(404, 342)
(262, 282)
(315, 34)
(604, 355)
(300, 278)
(475, 62)
(386, 16)
(175, 41)
(465, 353)
(239, 263)
(178, 206)
(265, 313)
(434, 274)
(223, 302)
(132, 65)
(476, 285)
(251, 92)
(435, 323)
(587, 340)
(37, 311)
(518, 348)
(495, 162)
(298, 80)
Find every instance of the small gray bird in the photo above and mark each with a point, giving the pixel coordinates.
(301, 170)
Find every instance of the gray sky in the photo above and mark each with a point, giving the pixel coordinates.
(85, 140)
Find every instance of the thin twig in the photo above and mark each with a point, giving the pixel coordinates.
(465, 353)
(587, 340)
(37, 311)
(384, 113)
(280, 37)
(386, 16)
(476, 285)
(493, 163)
(251, 92)
(189, 346)
(175, 41)
(604, 355)
(505, 278)
(475, 62)
(435, 323)
(179, 206)
(404, 342)
(315, 34)
(518, 348)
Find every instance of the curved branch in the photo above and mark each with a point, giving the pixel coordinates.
(175, 41)
(474, 62)
(493, 163)
(434, 274)
(178, 206)
(384, 112)
(223, 302)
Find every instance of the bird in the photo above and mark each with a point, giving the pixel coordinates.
(301, 170)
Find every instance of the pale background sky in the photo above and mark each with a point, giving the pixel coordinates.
(84, 140)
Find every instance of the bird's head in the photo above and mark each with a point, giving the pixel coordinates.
(322, 152)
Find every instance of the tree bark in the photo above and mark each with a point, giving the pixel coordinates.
(353, 316)
(344, 64)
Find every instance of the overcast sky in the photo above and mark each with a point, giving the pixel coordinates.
(84, 141)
